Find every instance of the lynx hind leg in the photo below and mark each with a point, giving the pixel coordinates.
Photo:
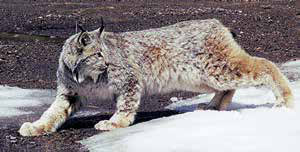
(226, 100)
(220, 101)
(214, 103)
(277, 81)
(52, 118)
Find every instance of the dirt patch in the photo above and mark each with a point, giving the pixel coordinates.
(267, 29)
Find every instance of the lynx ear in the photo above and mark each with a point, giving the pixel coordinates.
(84, 39)
(101, 28)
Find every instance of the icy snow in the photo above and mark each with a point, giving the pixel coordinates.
(291, 69)
(250, 125)
(13, 99)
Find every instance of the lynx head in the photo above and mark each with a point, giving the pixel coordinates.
(82, 56)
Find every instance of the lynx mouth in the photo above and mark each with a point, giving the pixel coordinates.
(81, 74)
(99, 77)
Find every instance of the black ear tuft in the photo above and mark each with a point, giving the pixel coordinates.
(81, 28)
(102, 27)
(81, 32)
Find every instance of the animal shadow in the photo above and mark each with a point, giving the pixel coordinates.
(232, 107)
(91, 121)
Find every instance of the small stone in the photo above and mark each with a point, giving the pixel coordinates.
(220, 9)
(111, 7)
(174, 99)
(2, 60)
(266, 6)
(258, 49)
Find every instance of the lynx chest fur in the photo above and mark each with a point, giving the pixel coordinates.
(199, 56)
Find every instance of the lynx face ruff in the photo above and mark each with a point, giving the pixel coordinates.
(199, 56)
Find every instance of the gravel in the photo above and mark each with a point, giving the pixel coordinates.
(32, 34)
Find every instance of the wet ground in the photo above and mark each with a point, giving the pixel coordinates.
(33, 32)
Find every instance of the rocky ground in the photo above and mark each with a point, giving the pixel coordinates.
(32, 34)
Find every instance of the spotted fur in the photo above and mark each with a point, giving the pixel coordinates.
(198, 55)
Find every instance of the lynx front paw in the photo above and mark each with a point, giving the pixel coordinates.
(107, 125)
(28, 129)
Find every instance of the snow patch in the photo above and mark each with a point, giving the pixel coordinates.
(14, 98)
(252, 126)
(291, 69)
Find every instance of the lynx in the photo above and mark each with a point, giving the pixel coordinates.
(198, 55)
